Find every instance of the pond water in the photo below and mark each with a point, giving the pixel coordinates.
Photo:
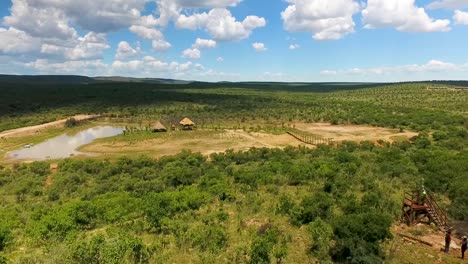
(65, 145)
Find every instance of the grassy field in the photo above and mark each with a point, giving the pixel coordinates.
(209, 197)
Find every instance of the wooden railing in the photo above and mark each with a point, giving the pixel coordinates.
(444, 221)
(311, 139)
(428, 206)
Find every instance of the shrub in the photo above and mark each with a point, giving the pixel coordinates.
(262, 246)
(5, 236)
(439, 135)
(209, 238)
(119, 248)
(71, 122)
(322, 239)
(358, 237)
(312, 207)
(167, 204)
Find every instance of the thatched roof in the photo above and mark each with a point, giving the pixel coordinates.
(158, 126)
(186, 122)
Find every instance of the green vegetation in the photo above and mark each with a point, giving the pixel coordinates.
(400, 105)
(293, 205)
(71, 122)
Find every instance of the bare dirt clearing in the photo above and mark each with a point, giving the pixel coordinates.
(428, 239)
(33, 129)
(354, 132)
(208, 141)
(205, 142)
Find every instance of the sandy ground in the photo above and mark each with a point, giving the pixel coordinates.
(205, 143)
(208, 142)
(34, 129)
(432, 236)
(354, 132)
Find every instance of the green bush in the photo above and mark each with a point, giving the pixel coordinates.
(358, 237)
(71, 122)
(115, 249)
(322, 240)
(439, 135)
(166, 204)
(5, 236)
(319, 205)
(208, 238)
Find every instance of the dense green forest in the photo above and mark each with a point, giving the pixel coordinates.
(293, 205)
(407, 105)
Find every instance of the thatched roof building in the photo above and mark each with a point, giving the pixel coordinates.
(158, 127)
(187, 123)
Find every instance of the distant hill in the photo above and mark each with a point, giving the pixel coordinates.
(293, 86)
(78, 80)
(140, 80)
(46, 79)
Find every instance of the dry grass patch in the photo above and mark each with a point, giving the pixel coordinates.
(356, 133)
(203, 141)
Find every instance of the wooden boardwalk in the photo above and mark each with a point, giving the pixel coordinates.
(312, 140)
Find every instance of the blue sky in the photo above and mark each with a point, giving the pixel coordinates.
(281, 40)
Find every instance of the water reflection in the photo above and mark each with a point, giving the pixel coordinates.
(65, 145)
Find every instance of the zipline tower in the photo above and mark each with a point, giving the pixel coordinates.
(421, 207)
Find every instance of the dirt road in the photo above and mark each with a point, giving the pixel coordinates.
(32, 129)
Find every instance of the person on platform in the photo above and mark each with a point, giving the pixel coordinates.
(464, 245)
(448, 240)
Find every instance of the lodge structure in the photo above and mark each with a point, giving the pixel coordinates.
(187, 124)
(158, 127)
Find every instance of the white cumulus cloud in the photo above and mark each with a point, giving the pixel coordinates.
(75, 30)
(14, 41)
(259, 47)
(325, 19)
(220, 24)
(39, 20)
(403, 15)
(193, 54)
(91, 46)
(204, 44)
(171, 9)
(49, 26)
(461, 17)
(146, 32)
(207, 3)
(125, 51)
(160, 45)
(53, 17)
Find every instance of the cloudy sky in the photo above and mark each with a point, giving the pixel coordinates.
(237, 40)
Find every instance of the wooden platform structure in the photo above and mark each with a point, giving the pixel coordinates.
(312, 140)
(419, 208)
